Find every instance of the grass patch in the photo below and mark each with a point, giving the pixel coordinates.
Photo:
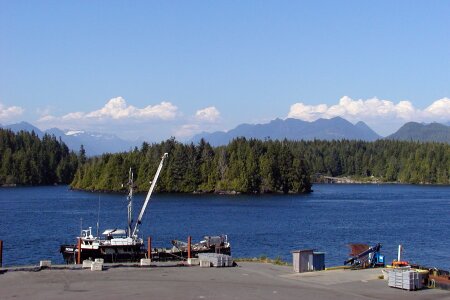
(264, 259)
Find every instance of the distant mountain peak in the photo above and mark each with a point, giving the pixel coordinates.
(24, 126)
(293, 129)
(413, 131)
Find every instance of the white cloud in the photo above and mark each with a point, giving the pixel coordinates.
(46, 119)
(187, 130)
(209, 114)
(307, 112)
(383, 115)
(120, 118)
(155, 121)
(9, 113)
(439, 108)
(118, 109)
(73, 116)
(205, 119)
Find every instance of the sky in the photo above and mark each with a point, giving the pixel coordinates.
(156, 69)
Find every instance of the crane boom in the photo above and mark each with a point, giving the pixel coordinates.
(130, 201)
(149, 194)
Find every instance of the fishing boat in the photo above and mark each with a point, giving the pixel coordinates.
(119, 245)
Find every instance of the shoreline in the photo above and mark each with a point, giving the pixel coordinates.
(228, 193)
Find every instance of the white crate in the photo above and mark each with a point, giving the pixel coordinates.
(97, 266)
(405, 279)
(100, 260)
(217, 260)
(45, 263)
(87, 264)
(193, 261)
(145, 262)
(205, 263)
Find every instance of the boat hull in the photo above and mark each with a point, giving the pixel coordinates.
(110, 254)
(117, 254)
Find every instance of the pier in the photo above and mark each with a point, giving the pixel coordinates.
(248, 280)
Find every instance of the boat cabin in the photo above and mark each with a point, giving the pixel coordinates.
(114, 233)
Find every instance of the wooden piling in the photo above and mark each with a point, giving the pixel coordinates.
(1, 253)
(189, 246)
(149, 249)
(79, 251)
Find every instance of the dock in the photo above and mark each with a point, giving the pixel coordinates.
(249, 280)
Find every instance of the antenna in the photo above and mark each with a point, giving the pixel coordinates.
(98, 213)
(130, 201)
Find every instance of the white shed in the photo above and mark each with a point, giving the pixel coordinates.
(307, 260)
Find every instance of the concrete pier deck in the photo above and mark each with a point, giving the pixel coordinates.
(247, 281)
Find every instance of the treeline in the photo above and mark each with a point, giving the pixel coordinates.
(243, 166)
(253, 166)
(28, 160)
(388, 160)
(246, 166)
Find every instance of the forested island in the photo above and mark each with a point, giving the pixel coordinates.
(243, 166)
(27, 159)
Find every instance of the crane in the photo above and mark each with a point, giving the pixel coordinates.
(149, 194)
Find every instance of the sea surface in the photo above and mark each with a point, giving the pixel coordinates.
(34, 221)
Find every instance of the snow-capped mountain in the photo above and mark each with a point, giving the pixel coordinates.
(93, 142)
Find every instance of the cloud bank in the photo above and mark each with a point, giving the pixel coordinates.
(10, 113)
(382, 115)
(121, 118)
(209, 114)
(204, 120)
(153, 122)
(117, 109)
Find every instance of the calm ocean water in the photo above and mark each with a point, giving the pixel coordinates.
(34, 221)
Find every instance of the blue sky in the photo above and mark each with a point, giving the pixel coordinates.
(181, 67)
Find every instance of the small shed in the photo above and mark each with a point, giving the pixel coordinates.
(307, 260)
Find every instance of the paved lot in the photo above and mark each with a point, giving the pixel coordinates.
(247, 281)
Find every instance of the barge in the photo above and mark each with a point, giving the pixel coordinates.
(119, 245)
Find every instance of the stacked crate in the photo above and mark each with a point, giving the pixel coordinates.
(216, 260)
(405, 278)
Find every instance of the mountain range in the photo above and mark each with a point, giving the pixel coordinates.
(293, 129)
(93, 142)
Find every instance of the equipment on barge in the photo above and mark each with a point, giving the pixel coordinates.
(119, 245)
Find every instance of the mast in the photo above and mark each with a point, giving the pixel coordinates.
(149, 194)
(130, 201)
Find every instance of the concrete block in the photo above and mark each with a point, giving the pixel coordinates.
(100, 260)
(145, 262)
(193, 261)
(205, 263)
(45, 263)
(87, 264)
(96, 266)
